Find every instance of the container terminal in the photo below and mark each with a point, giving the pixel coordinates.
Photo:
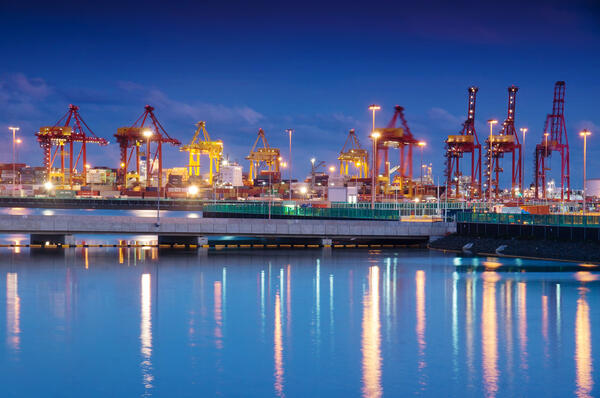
(378, 174)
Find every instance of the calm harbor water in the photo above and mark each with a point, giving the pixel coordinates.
(347, 323)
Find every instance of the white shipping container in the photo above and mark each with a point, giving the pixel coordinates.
(337, 194)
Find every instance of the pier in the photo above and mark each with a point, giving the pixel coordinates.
(60, 229)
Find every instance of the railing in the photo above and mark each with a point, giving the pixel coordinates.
(262, 210)
(417, 209)
(567, 220)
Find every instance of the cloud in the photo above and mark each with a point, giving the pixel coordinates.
(194, 110)
(445, 118)
(21, 95)
(35, 88)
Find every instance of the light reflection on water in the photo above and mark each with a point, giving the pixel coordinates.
(419, 328)
(13, 311)
(371, 337)
(583, 346)
(489, 334)
(146, 332)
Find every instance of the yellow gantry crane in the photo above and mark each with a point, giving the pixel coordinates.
(261, 157)
(202, 144)
(352, 153)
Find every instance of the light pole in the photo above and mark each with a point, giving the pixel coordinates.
(491, 122)
(524, 131)
(312, 175)
(14, 131)
(148, 134)
(584, 134)
(421, 145)
(374, 108)
(18, 142)
(375, 135)
(290, 131)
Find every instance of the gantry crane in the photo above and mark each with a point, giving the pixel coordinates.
(555, 129)
(202, 144)
(68, 131)
(262, 157)
(507, 141)
(352, 153)
(399, 137)
(144, 131)
(464, 142)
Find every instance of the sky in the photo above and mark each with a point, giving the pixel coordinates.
(311, 66)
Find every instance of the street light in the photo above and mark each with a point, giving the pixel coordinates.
(491, 122)
(524, 131)
(374, 108)
(18, 142)
(147, 134)
(290, 131)
(14, 131)
(421, 145)
(375, 135)
(585, 133)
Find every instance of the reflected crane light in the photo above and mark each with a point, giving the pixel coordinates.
(522, 297)
(371, 338)
(421, 319)
(13, 310)
(218, 313)
(583, 347)
(489, 334)
(146, 331)
(278, 348)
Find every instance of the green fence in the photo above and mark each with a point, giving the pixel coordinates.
(416, 205)
(566, 220)
(262, 209)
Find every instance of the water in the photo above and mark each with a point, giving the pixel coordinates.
(347, 323)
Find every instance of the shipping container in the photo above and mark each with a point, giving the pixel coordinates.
(88, 193)
(64, 193)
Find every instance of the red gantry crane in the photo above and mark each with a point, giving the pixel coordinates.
(457, 146)
(399, 137)
(554, 139)
(507, 141)
(68, 131)
(145, 131)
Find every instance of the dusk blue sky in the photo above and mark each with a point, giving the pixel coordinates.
(311, 66)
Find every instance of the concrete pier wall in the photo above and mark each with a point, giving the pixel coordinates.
(323, 229)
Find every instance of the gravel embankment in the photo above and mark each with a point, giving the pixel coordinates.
(560, 250)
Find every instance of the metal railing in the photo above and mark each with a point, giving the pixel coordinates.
(566, 220)
(406, 209)
(262, 210)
